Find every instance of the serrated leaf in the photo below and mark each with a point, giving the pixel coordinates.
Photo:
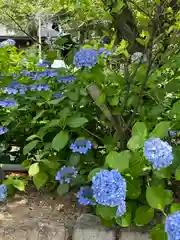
(135, 143)
(143, 215)
(75, 122)
(29, 147)
(136, 164)
(158, 197)
(40, 179)
(133, 188)
(119, 160)
(51, 163)
(33, 169)
(164, 172)
(139, 129)
(161, 130)
(106, 223)
(125, 220)
(60, 140)
(18, 184)
(106, 212)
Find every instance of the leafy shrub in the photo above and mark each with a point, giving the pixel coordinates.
(102, 130)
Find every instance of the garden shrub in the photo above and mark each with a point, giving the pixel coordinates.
(110, 133)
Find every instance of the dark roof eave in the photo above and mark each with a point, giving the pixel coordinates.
(19, 38)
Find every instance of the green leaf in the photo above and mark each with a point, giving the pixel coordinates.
(73, 95)
(175, 207)
(114, 101)
(40, 179)
(176, 160)
(143, 215)
(62, 189)
(60, 140)
(39, 114)
(75, 122)
(74, 159)
(32, 137)
(125, 220)
(164, 172)
(135, 142)
(33, 169)
(158, 233)
(119, 160)
(136, 164)
(175, 112)
(93, 173)
(56, 101)
(158, 197)
(26, 164)
(133, 188)
(140, 129)
(106, 223)
(177, 174)
(106, 212)
(19, 184)
(53, 164)
(161, 130)
(29, 147)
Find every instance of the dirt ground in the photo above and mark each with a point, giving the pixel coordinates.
(33, 205)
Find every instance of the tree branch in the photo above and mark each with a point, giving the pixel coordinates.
(142, 87)
(21, 29)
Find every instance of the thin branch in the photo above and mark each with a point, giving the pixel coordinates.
(129, 79)
(96, 136)
(142, 88)
(20, 28)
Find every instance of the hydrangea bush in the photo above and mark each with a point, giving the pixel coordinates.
(86, 127)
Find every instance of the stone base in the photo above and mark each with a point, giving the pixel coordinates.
(133, 236)
(88, 227)
(33, 230)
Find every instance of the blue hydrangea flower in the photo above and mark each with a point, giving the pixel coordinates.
(15, 88)
(51, 73)
(58, 95)
(43, 63)
(158, 153)
(65, 174)
(7, 103)
(86, 57)
(85, 196)
(104, 51)
(3, 130)
(10, 90)
(172, 226)
(66, 79)
(3, 193)
(81, 146)
(121, 209)
(173, 133)
(109, 189)
(8, 42)
(25, 73)
(39, 87)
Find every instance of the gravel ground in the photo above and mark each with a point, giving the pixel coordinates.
(39, 205)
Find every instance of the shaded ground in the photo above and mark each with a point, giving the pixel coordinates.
(38, 206)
